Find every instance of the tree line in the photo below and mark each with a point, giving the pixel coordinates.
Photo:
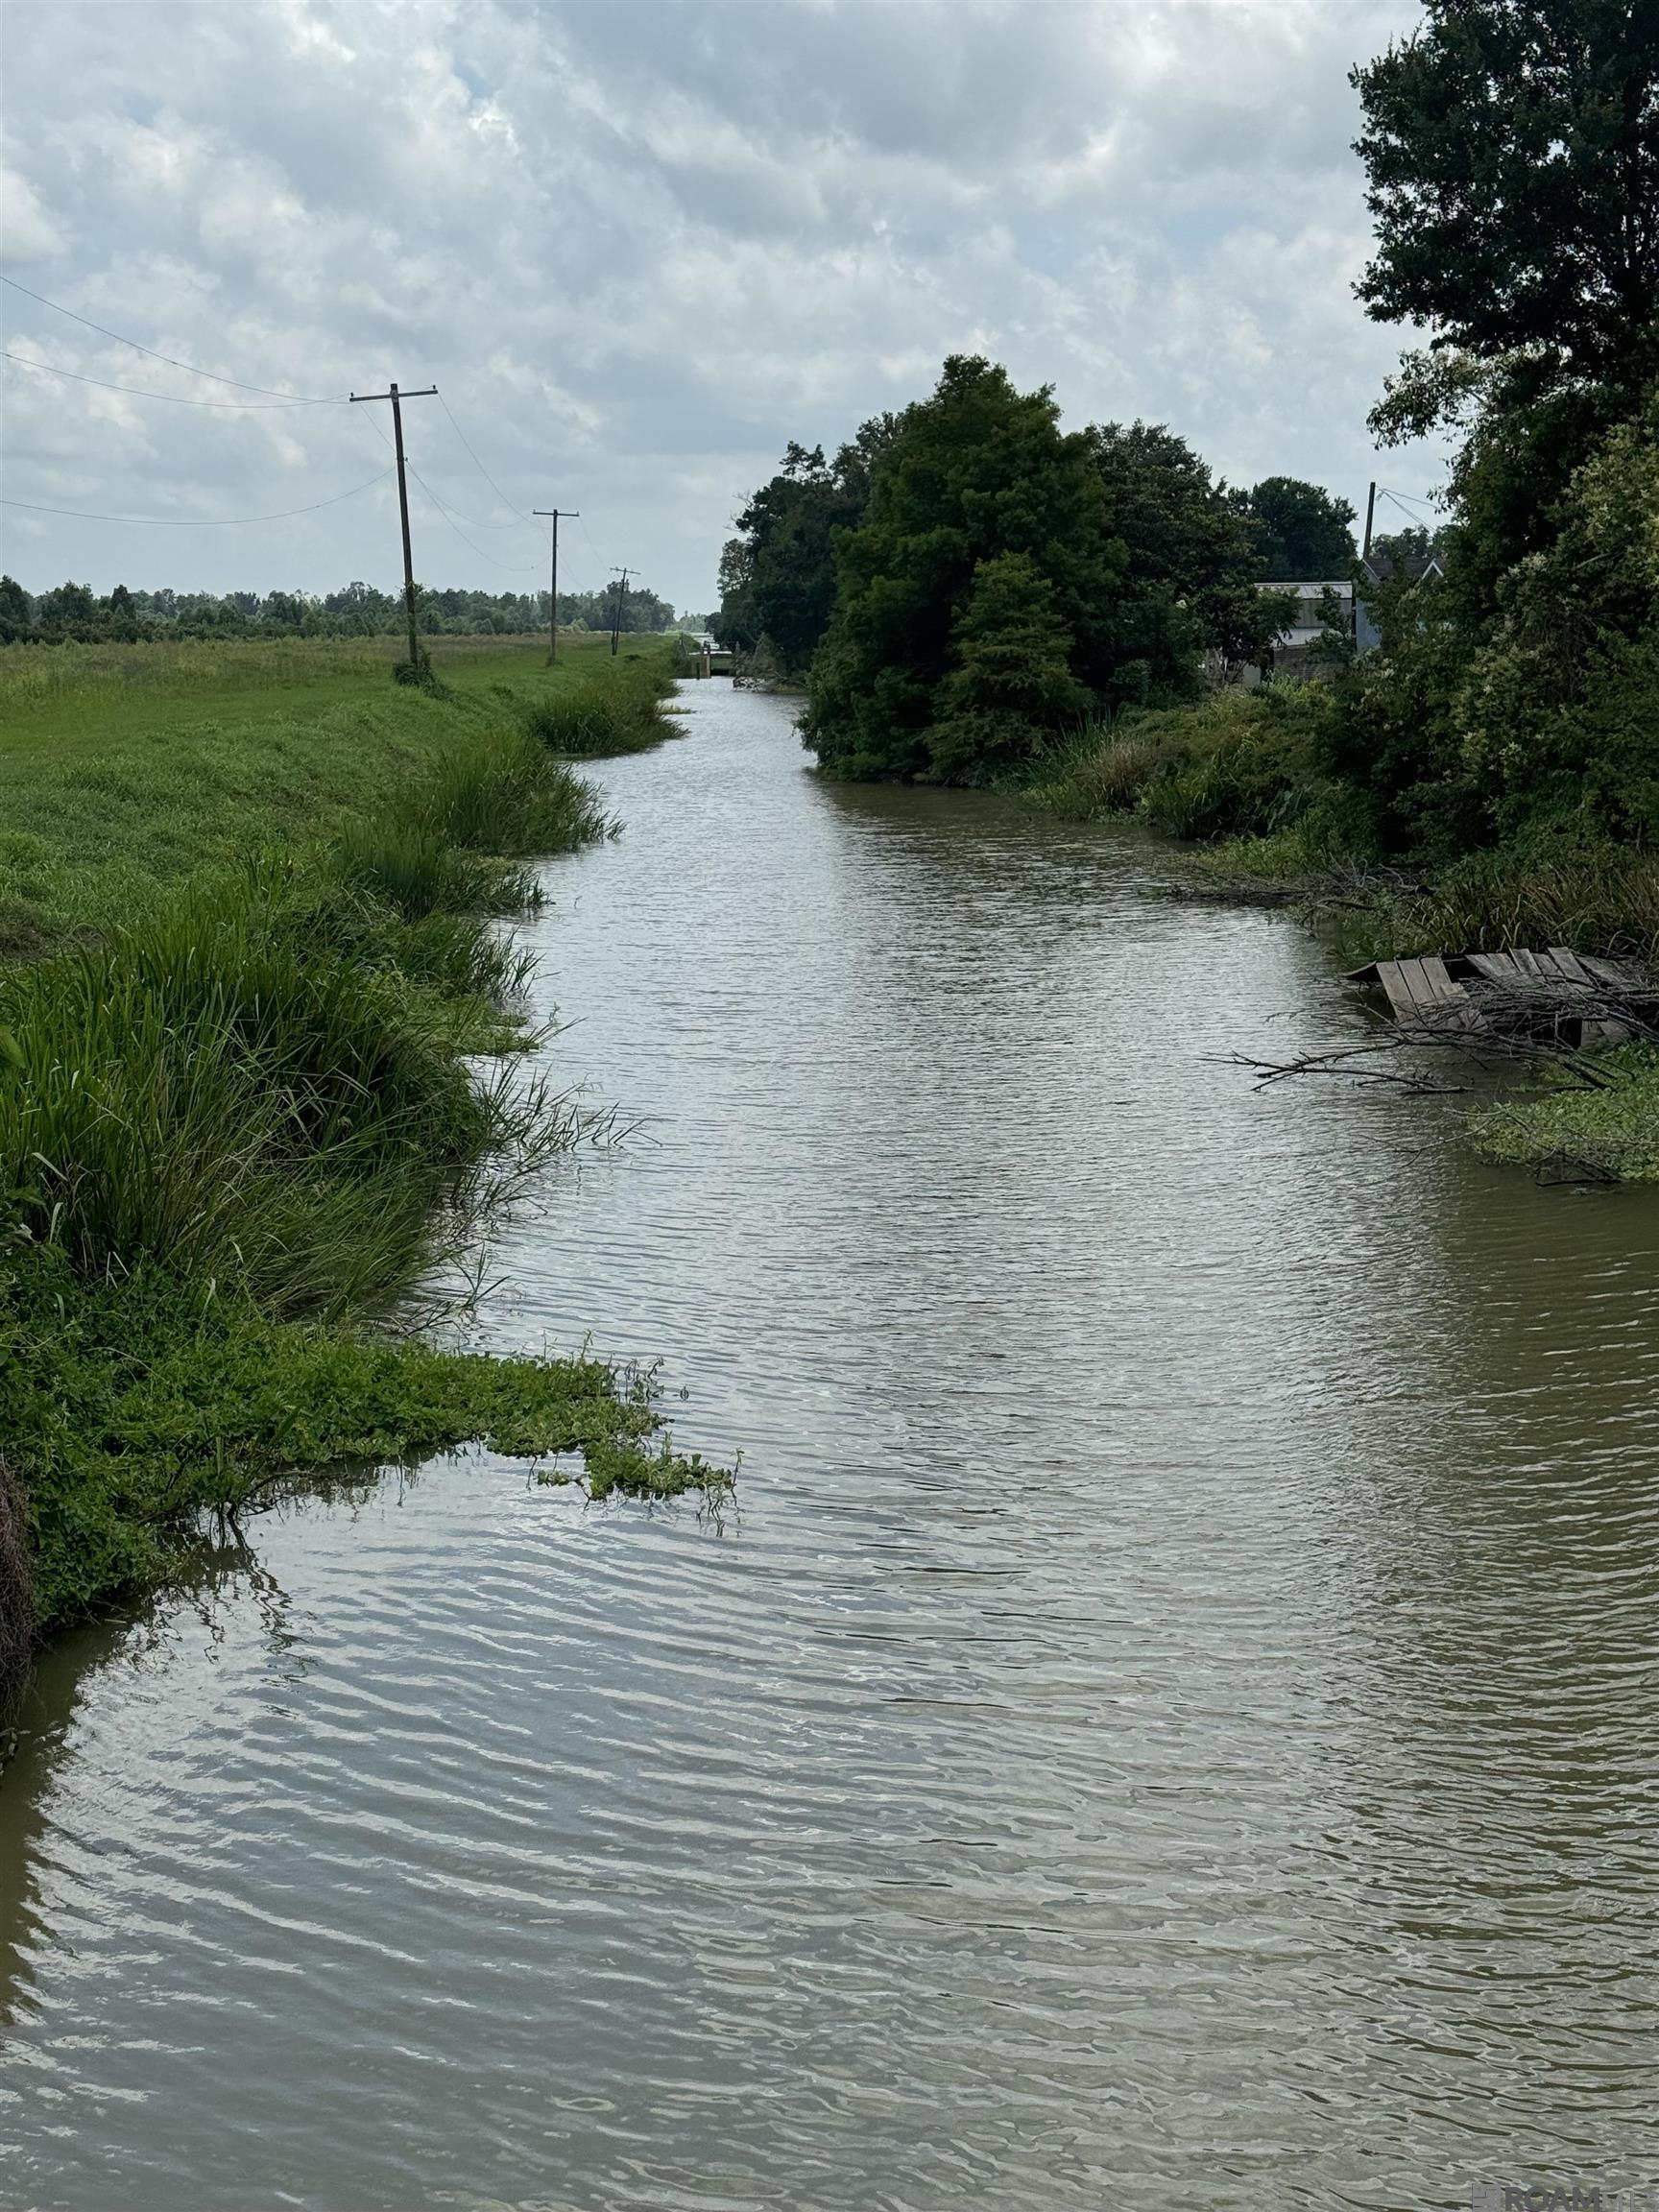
(970, 533)
(75, 611)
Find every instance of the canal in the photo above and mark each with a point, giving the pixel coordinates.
(1168, 1722)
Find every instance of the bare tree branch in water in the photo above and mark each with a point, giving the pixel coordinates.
(1353, 1061)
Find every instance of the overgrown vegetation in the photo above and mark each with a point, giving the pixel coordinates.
(240, 1113)
(598, 720)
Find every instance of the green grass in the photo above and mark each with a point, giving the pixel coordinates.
(601, 720)
(110, 796)
(241, 1105)
(134, 1409)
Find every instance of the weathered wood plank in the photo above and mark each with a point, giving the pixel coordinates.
(1619, 976)
(1400, 999)
(1569, 965)
(1428, 998)
(1497, 968)
(1428, 992)
(1411, 981)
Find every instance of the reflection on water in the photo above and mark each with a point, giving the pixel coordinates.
(1172, 1723)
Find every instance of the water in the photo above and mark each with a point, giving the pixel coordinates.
(1171, 1724)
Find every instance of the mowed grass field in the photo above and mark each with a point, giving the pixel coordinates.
(124, 768)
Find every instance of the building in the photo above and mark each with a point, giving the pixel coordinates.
(1382, 568)
(1291, 652)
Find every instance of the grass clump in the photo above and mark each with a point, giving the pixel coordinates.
(619, 713)
(1596, 898)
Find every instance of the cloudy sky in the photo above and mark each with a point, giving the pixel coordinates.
(638, 245)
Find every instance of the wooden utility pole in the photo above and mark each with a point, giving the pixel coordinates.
(1370, 509)
(429, 392)
(552, 515)
(616, 623)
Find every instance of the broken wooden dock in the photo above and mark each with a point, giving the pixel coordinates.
(1570, 997)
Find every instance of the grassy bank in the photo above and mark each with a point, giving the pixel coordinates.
(253, 964)
(121, 775)
(1240, 780)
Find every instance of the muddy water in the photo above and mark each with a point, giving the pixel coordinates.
(1172, 1724)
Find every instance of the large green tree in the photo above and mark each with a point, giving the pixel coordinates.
(1512, 148)
(1010, 678)
(1303, 533)
(1513, 151)
(973, 472)
(1188, 556)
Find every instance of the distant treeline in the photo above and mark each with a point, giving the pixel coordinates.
(75, 611)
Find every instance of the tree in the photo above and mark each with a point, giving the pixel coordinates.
(1010, 685)
(121, 616)
(737, 623)
(1187, 551)
(790, 572)
(1245, 626)
(1178, 527)
(69, 610)
(1303, 533)
(976, 470)
(15, 613)
(1512, 148)
(782, 567)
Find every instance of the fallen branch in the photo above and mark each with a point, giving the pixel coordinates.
(1344, 1061)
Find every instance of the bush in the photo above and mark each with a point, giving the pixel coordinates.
(617, 712)
(1100, 770)
(1235, 764)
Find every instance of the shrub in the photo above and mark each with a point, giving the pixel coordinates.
(617, 712)
(1235, 764)
(1100, 770)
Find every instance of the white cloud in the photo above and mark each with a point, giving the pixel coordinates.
(640, 248)
(27, 231)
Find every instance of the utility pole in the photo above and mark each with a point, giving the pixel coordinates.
(430, 392)
(552, 515)
(1370, 509)
(621, 602)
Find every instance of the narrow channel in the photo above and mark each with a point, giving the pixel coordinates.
(1168, 1723)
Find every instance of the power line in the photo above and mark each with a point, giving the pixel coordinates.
(296, 400)
(482, 470)
(174, 398)
(198, 521)
(594, 550)
(511, 567)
